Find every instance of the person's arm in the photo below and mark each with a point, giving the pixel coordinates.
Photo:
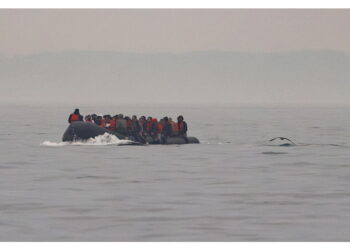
(80, 117)
(185, 127)
(69, 118)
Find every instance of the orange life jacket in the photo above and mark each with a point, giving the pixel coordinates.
(74, 117)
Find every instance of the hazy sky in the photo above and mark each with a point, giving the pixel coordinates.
(36, 31)
(297, 77)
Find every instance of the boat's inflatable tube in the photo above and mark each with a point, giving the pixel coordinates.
(175, 140)
(86, 130)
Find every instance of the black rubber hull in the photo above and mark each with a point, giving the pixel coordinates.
(175, 140)
(84, 131)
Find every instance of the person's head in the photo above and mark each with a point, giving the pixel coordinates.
(127, 118)
(170, 119)
(107, 117)
(121, 116)
(149, 118)
(134, 118)
(115, 117)
(180, 118)
(76, 111)
(166, 119)
(88, 118)
(99, 117)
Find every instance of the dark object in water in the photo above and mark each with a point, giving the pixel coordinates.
(284, 138)
(274, 153)
(85, 130)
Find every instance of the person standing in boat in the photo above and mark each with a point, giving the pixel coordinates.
(75, 117)
(166, 131)
(182, 127)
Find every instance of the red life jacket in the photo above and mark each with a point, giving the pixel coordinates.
(88, 121)
(103, 123)
(74, 117)
(149, 126)
(160, 128)
(113, 125)
(175, 127)
(181, 126)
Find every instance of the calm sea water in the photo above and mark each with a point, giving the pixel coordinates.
(234, 186)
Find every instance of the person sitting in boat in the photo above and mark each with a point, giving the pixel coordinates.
(121, 124)
(174, 129)
(94, 118)
(136, 129)
(166, 131)
(160, 127)
(107, 121)
(113, 123)
(88, 118)
(99, 121)
(142, 122)
(148, 126)
(128, 125)
(74, 117)
(182, 127)
(154, 130)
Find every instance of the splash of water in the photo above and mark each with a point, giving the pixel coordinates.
(101, 140)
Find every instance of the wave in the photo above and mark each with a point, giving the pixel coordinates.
(101, 140)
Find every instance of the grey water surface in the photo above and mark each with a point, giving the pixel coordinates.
(234, 186)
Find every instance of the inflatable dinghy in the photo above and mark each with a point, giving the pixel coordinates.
(85, 130)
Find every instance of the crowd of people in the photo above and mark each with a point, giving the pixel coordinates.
(138, 129)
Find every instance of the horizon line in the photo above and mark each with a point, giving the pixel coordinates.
(73, 51)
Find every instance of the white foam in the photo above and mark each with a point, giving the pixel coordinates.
(101, 140)
(54, 144)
